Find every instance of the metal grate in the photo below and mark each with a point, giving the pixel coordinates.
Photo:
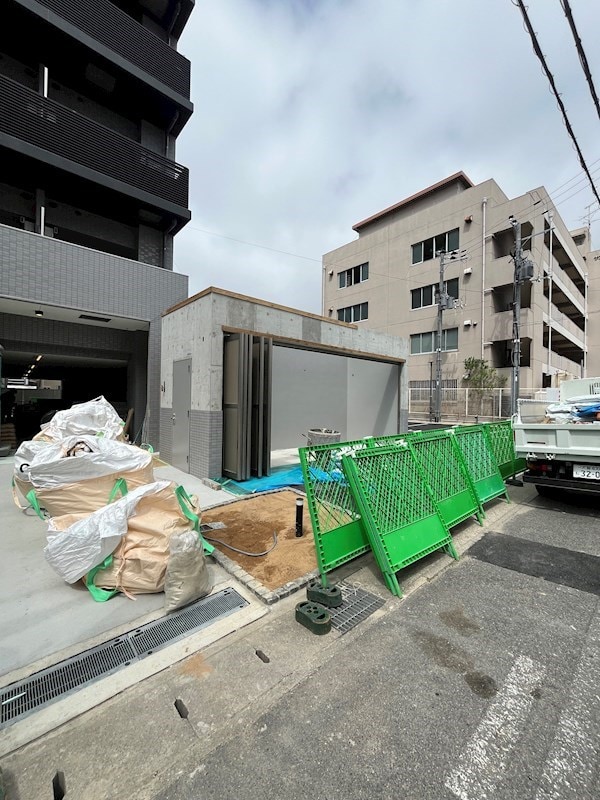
(357, 605)
(20, 699)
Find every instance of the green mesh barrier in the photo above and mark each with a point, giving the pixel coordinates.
(480, 461)
(449, 479)
(398, 510)
(337, 530)
(502, 444)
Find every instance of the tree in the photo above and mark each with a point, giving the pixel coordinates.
(480, 377)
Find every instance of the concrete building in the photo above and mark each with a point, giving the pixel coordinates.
(93, 95)
(387, 279)
(242, 377)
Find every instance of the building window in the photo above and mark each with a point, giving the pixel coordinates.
(426, 296)
(354, 313)
(426, 250)
(354, 275)
(426, 342)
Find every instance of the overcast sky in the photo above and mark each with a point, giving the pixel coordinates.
(311, 115)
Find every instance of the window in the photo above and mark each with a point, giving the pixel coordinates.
(426, 250)
(354, 275)
(427, 295)
(354, 313)
(425, 342)
(421, 298)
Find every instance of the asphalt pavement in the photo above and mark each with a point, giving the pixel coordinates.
(481, 683)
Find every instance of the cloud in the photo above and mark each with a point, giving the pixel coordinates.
(313, 114)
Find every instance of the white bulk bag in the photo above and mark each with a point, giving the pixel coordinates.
(74, 550)
(94, 417)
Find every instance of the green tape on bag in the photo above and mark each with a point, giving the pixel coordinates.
(98, 594)
(120, 486)
(185, 503)
(34, 503)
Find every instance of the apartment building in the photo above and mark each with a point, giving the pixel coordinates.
(388, 277)
(93, 95)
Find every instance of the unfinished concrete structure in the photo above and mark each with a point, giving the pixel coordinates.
(242, 377)
(387, 279)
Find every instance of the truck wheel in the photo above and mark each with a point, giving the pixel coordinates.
(546, 491)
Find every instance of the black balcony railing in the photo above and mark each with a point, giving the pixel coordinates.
(59, 130)
(119, 32)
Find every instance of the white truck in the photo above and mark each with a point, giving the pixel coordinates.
(561, 453)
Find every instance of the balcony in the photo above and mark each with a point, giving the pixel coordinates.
(49, 132)
(564, 283)
(499, 325)
(104, 24)
(566, 327)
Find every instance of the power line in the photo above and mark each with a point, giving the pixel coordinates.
(537, 50)
(566, 7)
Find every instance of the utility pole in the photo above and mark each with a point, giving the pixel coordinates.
(523, 271)
(442, 304)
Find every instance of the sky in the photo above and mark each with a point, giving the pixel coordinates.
(311, 115)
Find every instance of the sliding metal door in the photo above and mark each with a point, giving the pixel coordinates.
(246, 405)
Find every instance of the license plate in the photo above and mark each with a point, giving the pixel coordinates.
(588, 471)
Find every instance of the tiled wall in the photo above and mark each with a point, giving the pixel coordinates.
(45, 270)
(206, 443)
(48, 271)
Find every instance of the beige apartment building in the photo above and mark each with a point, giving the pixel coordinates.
(387, 279)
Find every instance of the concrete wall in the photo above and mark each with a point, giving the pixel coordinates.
(54, 273)
(321, 390)
(195, 330)
(309, 391)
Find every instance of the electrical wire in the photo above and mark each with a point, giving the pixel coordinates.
(243, 552)
(566, 7)
(538, 52)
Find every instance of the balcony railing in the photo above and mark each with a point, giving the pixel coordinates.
(119, 32)
(56, 129)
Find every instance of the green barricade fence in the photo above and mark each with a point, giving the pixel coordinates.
(337, 530)
(449, 479)
(399, 514)
(480, 461)
(502, 444)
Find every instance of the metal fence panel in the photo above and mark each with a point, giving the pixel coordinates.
(444, 467)
(337, 530)
(502, 445)
(480, 462)
(400, 516)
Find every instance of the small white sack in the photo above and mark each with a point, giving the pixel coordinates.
(187, 578)
(73, 552)
(94, 417)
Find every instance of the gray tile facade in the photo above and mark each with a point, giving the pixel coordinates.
(206, 443)
(166, 434)
(50, 272)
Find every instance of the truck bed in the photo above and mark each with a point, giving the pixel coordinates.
(577, 442)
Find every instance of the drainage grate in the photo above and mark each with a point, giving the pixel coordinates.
(357, 605)
(24, 697)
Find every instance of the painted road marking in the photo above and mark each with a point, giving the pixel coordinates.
(569, 771)
(483, 762)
